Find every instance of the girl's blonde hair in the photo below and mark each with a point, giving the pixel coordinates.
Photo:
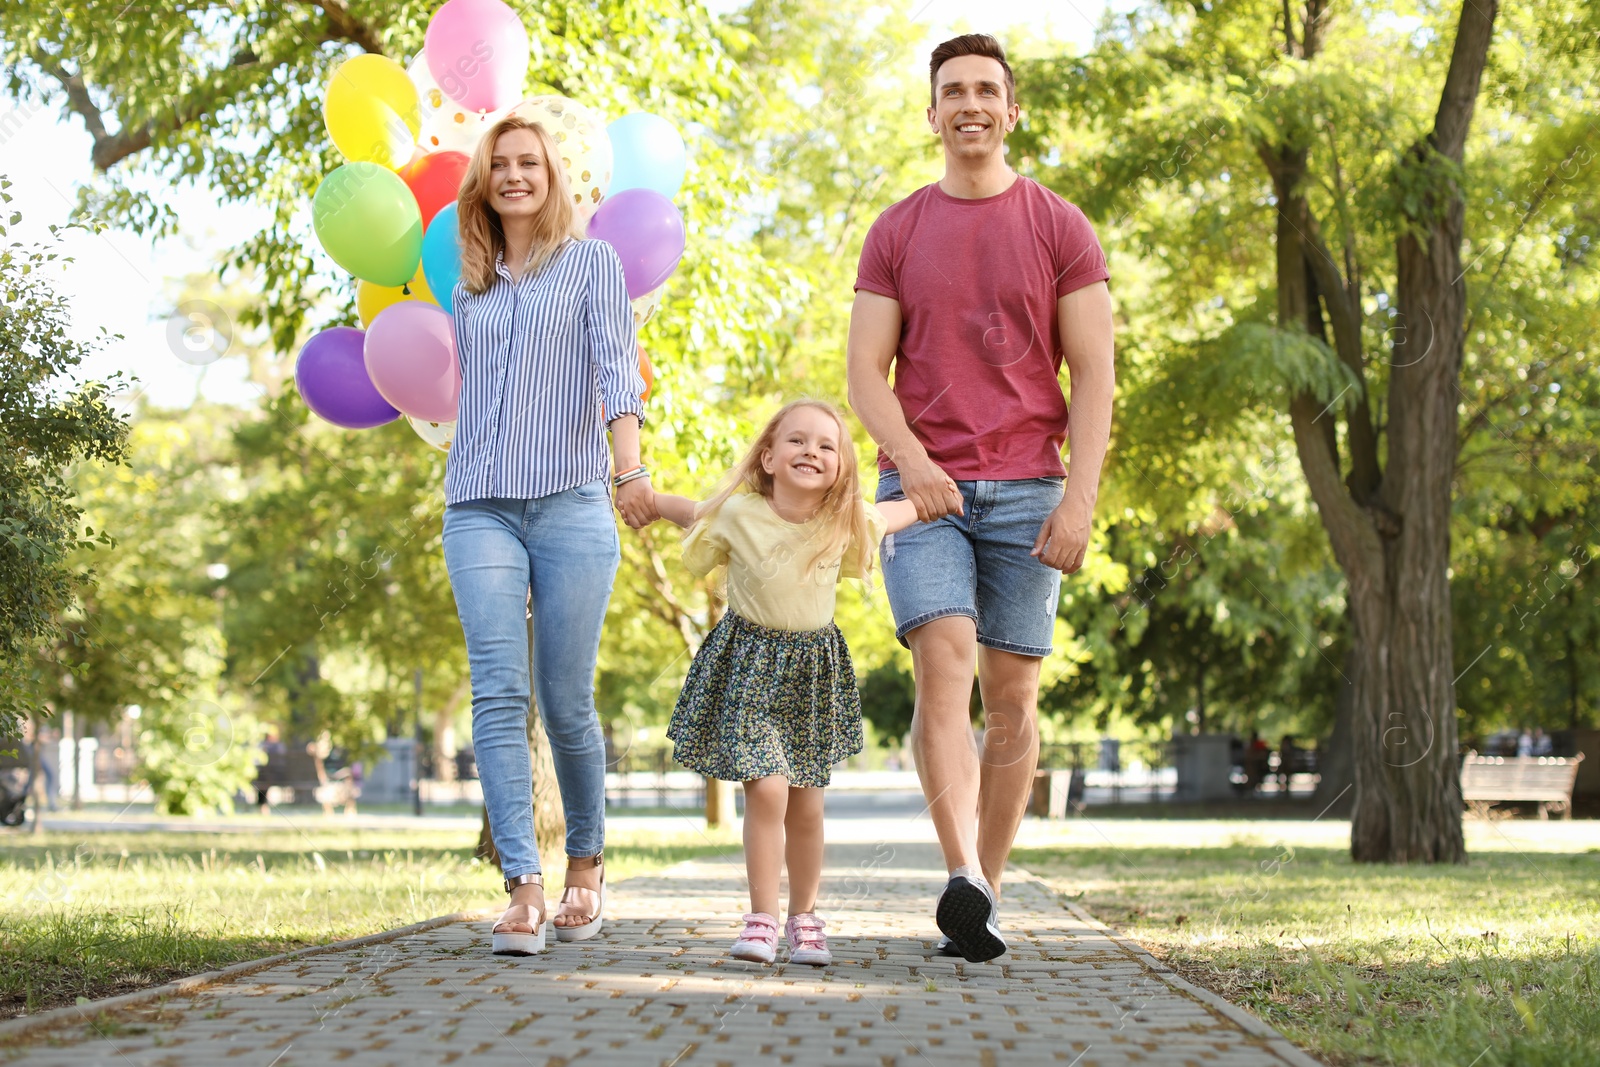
(482, 236)
(845, 516)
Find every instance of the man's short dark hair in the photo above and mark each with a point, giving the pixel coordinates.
(969, 44)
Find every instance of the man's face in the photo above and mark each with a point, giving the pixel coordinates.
(970, 113)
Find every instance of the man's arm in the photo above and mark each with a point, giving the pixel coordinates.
(874, 338)
(1088, 346)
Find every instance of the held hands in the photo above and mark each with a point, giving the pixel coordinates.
(930, 490)
(1063, 539)
(636, 502)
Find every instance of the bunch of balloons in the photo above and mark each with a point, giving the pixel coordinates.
(388, 215)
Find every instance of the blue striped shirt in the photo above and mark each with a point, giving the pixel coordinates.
(539, 357)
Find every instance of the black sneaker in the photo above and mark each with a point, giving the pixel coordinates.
(946, 947)
(966, 915)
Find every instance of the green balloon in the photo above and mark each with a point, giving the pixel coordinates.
(368, 220)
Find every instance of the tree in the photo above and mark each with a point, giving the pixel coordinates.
(1190, 127)
(229, 95)
(49, 420)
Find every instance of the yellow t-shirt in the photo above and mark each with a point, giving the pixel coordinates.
(768, 580)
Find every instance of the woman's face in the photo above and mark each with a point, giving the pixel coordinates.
(519, 179)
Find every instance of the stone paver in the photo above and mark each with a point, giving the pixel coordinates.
(656, 989)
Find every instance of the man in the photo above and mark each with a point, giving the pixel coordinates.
(975, 289)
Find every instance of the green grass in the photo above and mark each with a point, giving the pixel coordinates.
(92, 915)
(1493, 963)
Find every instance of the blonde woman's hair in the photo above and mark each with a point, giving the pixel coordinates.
(482, 237)
(841, 507)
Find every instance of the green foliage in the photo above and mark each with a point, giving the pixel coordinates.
(49, 421)
(888, 698)
(1163, 133)
(196, 756)
(1208, 579)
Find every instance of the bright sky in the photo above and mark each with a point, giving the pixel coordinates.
(119, 282)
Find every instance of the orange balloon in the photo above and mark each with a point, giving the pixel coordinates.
(647, 372)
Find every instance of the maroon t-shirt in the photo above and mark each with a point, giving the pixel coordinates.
(980, 348)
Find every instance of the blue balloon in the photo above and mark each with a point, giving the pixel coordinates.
(441, 256)
(646, 153)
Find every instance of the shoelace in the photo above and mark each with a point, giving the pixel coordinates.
(806, 932)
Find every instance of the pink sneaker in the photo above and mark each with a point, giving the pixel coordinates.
(807, 942)
(758, 943)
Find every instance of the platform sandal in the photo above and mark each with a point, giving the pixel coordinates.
(516, 934)
(572, 904)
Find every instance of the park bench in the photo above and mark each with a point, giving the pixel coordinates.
(1543, 780)
(304, 773)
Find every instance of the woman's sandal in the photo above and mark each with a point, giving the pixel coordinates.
(572, 905)
(516, 934)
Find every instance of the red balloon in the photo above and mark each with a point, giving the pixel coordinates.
(434, 180)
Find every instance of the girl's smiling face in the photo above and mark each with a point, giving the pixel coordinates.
(519, 179)
(804, 457)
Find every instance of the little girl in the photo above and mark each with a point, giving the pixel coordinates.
(771, 697)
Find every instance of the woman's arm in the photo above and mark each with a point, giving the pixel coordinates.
(634, 499)
(676, 509)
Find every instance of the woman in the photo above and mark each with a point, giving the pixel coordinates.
(545, 336)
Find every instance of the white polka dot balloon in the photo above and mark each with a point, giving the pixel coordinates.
(446, 127)
(437, 434)
(580, 131)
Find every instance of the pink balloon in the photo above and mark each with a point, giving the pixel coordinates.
(478, 53)
(410, 355)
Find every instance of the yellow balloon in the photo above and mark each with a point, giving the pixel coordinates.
(372, 111)
(371, 299)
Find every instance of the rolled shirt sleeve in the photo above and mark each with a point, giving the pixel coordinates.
(613, 343)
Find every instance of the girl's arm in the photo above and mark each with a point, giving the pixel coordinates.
(898, 514)
(676, 509)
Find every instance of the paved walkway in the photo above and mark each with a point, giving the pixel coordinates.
(657, 989)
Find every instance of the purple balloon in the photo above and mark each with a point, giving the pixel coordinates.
(646, 230)
(331, 374)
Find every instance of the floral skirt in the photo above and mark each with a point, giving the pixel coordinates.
(759, 702)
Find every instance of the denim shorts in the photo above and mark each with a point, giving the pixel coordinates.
(977, 564)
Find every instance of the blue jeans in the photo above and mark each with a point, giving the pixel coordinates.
(564, 548)
(977, 564)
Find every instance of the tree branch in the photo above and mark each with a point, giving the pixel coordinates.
(1460, 95)
(111, 148)
(1344, 313)
(1351, 532)
(343, 26)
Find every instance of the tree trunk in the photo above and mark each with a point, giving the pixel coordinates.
(1394, 546)
(1408, 785)
(444, 736)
